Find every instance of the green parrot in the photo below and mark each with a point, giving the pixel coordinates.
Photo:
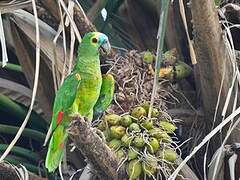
(79, 94)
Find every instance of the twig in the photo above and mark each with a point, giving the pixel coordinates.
(71, 21)
(160, 37)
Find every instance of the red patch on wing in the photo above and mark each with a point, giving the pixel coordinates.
(59, 117)
(61, 145)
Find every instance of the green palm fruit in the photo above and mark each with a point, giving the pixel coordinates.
(147, 57)
(115, 144)
(132, 154)
(126, 120)
(134, 169)
(169, 155)
(177, 72)
(126, 140)
(167, 126)
(107, 134)
(148, 168)
(160, 134)
(117, 131)
(101, 126)
(155, 112)
(170, 57)
(148, 124)
(120, 153)
(134, 127)
(166, 138)
(138, 141)
(217, 2)
(156, 132)
(112, 119)
(139, 112)
(182, 70)
(153, 145)
(146, 106)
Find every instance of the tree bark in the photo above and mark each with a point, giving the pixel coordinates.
(211, 56)
(82, 22)
(213, 61)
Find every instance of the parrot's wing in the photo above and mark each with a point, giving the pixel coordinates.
(105, 97)
(64, 99)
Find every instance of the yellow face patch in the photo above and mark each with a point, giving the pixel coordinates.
(78, 77)
(94, 40)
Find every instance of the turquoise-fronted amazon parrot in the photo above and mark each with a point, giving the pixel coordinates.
(78, 94)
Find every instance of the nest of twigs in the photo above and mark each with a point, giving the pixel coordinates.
(134, 83)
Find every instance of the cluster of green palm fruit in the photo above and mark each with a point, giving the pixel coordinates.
(143, 143)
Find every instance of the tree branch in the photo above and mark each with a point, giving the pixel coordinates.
(93, 148)
(7, 172)
(81, 20)
(83, 23)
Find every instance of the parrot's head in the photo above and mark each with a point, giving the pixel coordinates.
(97, 41)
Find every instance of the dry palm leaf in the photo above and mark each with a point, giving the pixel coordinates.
(9, 6)
(25, 22)
(18, 93)
(26, 58)
(24, 39)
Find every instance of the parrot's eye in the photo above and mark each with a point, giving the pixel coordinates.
(94, 40)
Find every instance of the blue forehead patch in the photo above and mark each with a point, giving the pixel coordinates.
(102, 39)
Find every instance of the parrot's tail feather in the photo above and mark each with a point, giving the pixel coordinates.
(97, 114)
(56, 149)
(48, 135)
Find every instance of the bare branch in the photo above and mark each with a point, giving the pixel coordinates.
(9, 172)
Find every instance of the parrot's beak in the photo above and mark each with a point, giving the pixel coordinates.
(105, 47)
